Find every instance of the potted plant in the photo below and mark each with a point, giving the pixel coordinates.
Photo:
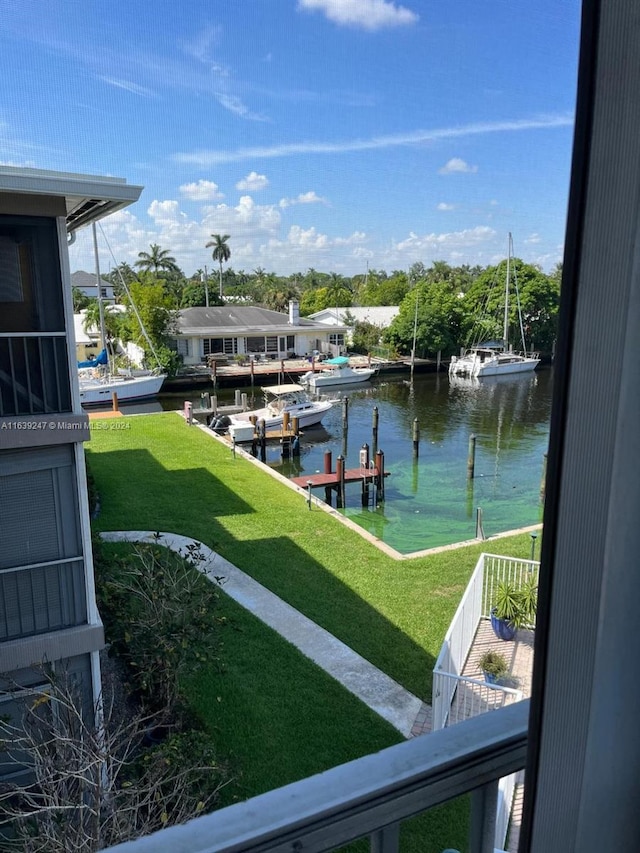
(494, 666)
(515, 607)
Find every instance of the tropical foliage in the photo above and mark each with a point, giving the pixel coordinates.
(450, 299)
(221, 251)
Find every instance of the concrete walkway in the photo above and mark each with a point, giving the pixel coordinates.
(382, 694)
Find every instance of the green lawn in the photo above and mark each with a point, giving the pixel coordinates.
(276, 715)
(160, 474)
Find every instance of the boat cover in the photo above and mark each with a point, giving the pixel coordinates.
(338, 361)
(101, 358)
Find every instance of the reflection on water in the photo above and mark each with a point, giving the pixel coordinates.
(430, 501)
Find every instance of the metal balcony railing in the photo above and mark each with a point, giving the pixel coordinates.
(34, 374)
(42, 597)
(369, 797)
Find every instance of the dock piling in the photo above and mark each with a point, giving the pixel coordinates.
(188, 412)
(345, 412)
(380, 467)
(374, 439)
(341, 484)
(244, 400)
(415, 435)
(471, 457)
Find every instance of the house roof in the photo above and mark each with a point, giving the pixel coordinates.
(234, 319)
(377, 315)
(82, 279)
(87, 197)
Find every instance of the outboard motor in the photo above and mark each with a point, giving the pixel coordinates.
(220, 424)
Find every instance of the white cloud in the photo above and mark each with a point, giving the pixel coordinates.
(201, 191)
(444, 206)
(246, 218)
(163, 212)
(253, 182)
(236, 105)
(128, 86)
(457, 166)
(366, 14)
(448, 241)
(308, 238)
(533, 238)
(208, 158)
(304, 198)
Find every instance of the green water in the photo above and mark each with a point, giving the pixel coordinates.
(431, 502)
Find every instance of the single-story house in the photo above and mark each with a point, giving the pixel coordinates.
(378, 315)
(237, 330)
(86, 282)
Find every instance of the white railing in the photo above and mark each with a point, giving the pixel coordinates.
(471, 696)
(456, 645)
(368, 797)
(498, 569)
(475, 604)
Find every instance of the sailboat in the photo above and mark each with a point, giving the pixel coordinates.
(97, 379)
(496, 358)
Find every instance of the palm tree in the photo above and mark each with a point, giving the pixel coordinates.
(221, 251)
(157, 259)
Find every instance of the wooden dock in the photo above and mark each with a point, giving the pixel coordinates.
(351, 475)
(367, 475)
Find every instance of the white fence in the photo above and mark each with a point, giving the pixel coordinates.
(456, 697)
(497, 569)
(457, 642)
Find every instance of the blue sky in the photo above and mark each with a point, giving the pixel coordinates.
(318, 133)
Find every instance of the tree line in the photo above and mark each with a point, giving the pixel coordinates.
(451, 300)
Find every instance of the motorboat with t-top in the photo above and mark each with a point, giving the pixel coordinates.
(336, 371)
(496, 358)
(279, 399)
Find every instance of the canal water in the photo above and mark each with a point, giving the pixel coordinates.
(430, 501)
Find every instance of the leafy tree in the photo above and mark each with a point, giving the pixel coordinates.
(157, 313)
(113, 321)
(365, 336)
(80, 300)
(157, 259)
(539, 299)
(221, 251)
(194, 295)
(384, 291)
(439, 316)
(325, 297)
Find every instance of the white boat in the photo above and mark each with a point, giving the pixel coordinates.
(98, 382)
(496, 358)
(279, 399)
(336, 371)
(96, 389)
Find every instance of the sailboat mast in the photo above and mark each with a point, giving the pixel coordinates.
(505, 328)
(103, 336)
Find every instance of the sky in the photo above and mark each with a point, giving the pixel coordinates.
(327, 134)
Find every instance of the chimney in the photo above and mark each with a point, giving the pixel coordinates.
(294, 312)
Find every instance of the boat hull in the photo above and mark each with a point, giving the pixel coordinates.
(306, 416)
(475, 367)
(96, 392)
(346, 376)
